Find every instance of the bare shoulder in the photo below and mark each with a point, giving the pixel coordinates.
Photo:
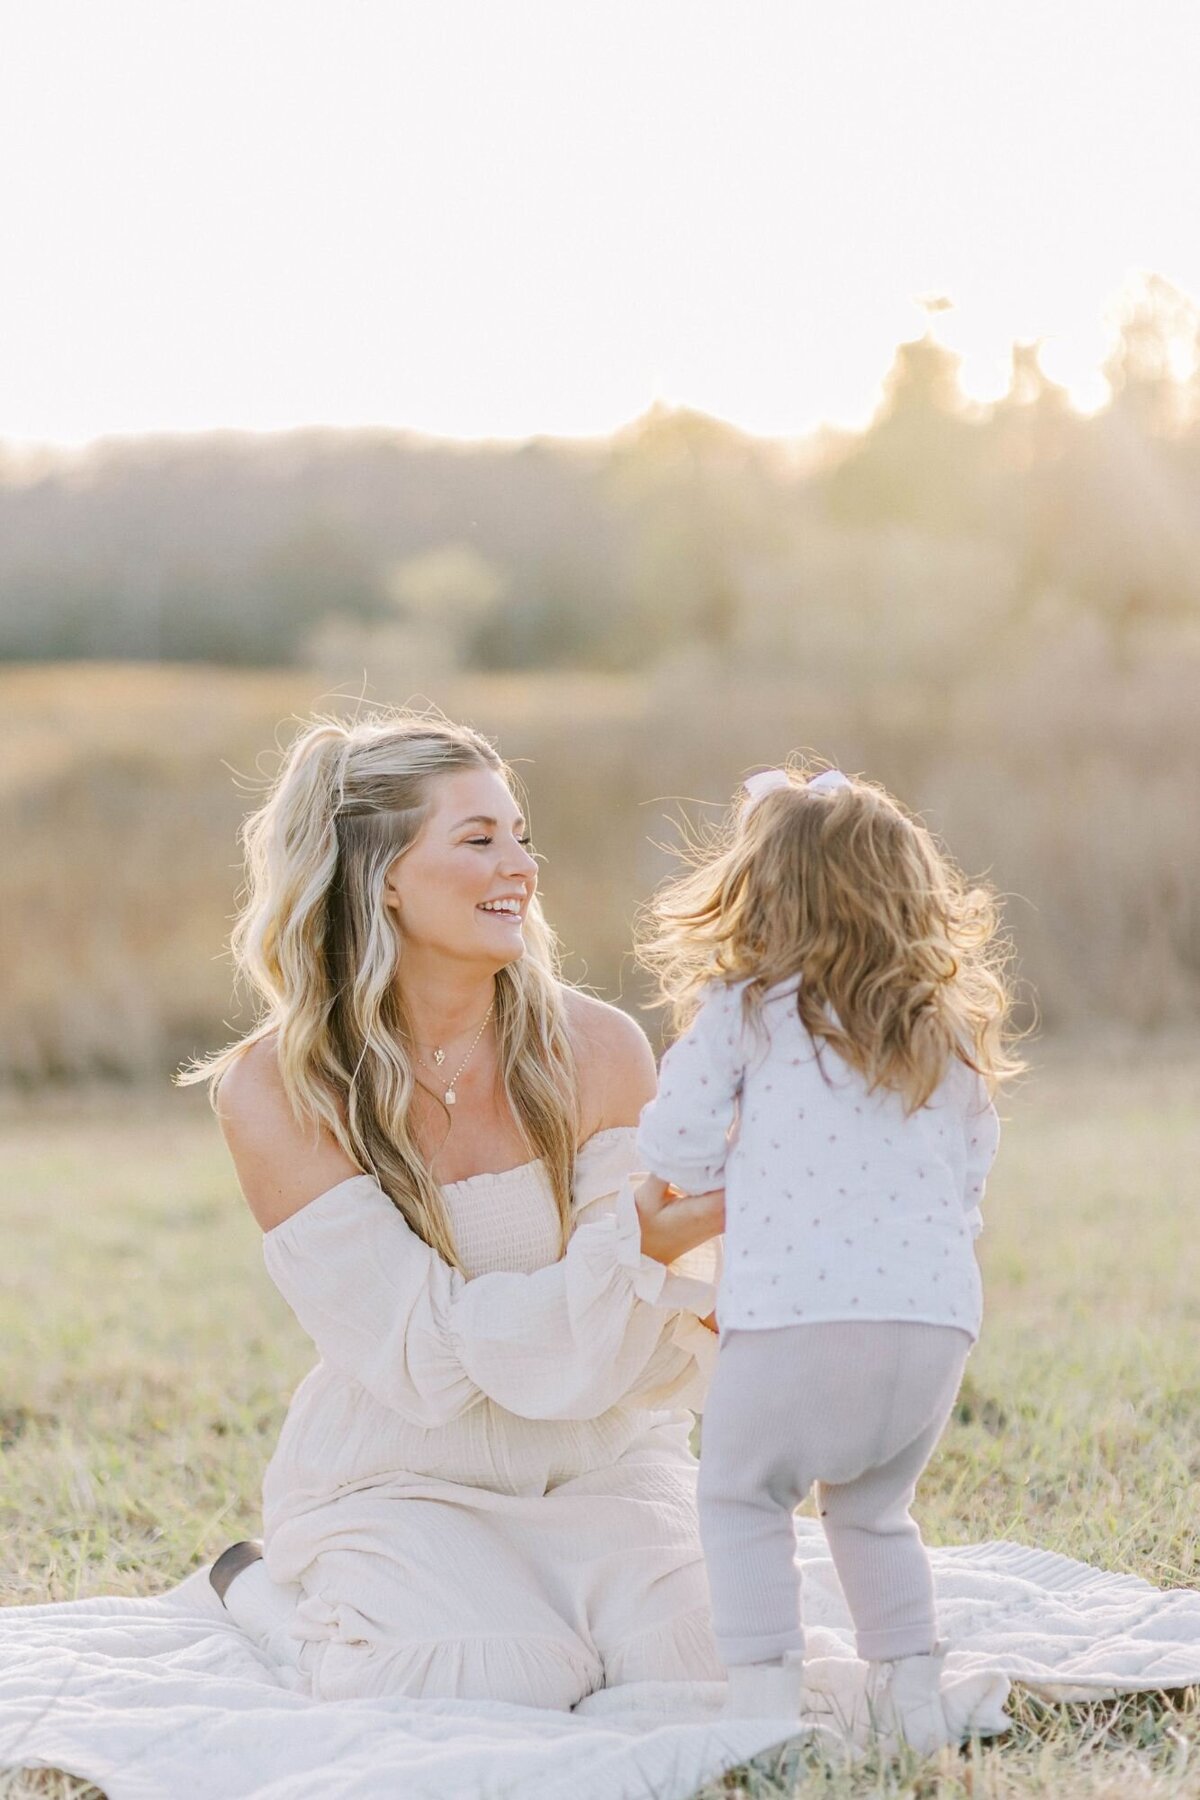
(617, 1075)
(282, 1162)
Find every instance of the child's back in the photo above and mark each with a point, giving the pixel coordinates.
(840, 1203)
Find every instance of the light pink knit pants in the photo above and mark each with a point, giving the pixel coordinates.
(858, 1409)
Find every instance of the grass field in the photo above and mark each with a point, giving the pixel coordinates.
(147, 1364)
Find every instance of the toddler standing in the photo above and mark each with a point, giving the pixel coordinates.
(844, 1003)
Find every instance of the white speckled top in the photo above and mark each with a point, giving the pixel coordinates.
(838, 1206)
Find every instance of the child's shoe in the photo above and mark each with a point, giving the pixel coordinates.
(766, 1690)
(904, 1704)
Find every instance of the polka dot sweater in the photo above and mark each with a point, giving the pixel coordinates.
(837, 1205)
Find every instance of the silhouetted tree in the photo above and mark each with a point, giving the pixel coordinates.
(917, 464)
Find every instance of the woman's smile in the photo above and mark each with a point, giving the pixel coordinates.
(512, 908)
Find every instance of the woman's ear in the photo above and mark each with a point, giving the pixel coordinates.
(391, 890)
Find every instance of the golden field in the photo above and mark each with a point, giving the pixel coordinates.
(1076, 788)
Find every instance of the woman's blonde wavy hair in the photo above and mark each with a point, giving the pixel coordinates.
(901, 961)
(321, 951)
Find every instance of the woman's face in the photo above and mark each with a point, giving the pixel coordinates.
(463, 887)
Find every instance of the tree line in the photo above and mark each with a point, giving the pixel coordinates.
(930, 537)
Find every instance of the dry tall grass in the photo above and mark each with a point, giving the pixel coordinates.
(1075, 782)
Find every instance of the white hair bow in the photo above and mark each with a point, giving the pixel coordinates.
(765, 782)
(829, 782)
(769, 781)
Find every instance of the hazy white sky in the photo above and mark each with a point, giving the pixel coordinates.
(499, 217)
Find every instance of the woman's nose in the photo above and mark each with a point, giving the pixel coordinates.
(522, 864)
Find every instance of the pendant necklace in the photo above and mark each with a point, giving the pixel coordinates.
(439, 1057)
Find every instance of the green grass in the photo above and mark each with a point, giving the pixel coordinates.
(147, 1363)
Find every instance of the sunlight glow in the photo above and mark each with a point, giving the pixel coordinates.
(482, 220)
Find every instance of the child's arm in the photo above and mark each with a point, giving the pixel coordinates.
(983, 1140)
(683, 1135)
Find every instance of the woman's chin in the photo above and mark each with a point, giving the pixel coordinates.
(504, 945)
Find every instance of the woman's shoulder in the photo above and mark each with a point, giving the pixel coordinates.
(282, 1162)
(615, 1063)
(251, 1089)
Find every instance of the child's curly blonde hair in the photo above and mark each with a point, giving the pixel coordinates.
(901, 961)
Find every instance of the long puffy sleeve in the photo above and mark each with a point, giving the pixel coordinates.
(684, 1360)
(682, 1367)
(684, 1132)
(566, 1341)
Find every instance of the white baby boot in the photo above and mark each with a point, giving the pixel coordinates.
(766, 1690)
(904, 1704)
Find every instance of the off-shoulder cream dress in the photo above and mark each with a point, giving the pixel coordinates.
(484, 1489)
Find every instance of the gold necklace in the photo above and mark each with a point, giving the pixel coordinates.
(439, 1057)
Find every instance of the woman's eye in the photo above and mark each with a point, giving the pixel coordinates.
(525, 841)
(479, 840)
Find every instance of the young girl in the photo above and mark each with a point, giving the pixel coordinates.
(843, 995)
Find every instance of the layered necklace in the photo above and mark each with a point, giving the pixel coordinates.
(439, 1057)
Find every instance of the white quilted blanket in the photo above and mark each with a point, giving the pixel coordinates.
(158, 1699)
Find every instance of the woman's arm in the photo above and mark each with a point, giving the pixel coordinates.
(565, 1341)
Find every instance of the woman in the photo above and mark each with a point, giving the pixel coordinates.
(484, 1489)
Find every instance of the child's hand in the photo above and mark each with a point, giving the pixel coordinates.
(673, 1223)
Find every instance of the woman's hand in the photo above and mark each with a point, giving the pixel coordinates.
(674, 1223)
